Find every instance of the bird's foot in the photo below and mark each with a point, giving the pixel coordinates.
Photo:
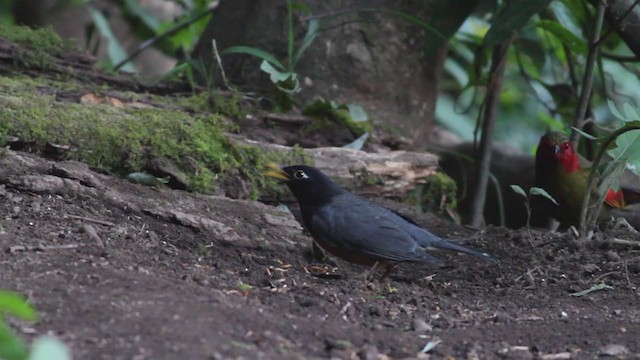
(322, 271)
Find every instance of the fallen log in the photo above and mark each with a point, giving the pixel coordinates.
(391, 174)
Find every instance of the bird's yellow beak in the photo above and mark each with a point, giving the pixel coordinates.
(275, 172)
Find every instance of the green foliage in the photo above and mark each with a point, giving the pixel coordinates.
(114, 50)
(11, 347)
(178, 35)
(543, 73)
(351, 116)
(284, 77)
(533, 191)
(438, 194)
(623, 147)
(513, 18)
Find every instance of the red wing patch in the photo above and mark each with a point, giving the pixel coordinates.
(615, 198)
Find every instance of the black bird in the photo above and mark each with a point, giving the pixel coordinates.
(357, 230)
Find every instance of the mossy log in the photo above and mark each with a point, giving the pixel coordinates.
(392, 174)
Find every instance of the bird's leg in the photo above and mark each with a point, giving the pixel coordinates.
(368, 275)
(387, 270)
(317, 252)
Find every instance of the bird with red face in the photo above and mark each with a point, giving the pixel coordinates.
(563, 173)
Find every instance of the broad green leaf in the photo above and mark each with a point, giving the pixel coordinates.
(358, 143)
(143, 14)
(189, 36)
(49, 348)
(455, 121)
(114, 50)
(611, 180)
(534, 50)
(300, 6)
(587, 135)
(11, 347)
(518, 190)
(614, 110)
(536, 191)
(628, 147)
(513, 18)
(565, 36)
(629, 113)
(276, 76)
(312, 31)
(566, 17)
(248, 50)
(16, 305)
(357, 113)
(456, 71)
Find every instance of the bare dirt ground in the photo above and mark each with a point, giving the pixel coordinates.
(123, 271)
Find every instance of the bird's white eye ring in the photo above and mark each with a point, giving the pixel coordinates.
(299, 174)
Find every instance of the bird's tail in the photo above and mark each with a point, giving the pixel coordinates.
(447, 245)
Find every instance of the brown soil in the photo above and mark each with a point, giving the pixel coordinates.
(122, 271)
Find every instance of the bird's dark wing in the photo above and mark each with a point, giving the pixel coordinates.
(359, 226)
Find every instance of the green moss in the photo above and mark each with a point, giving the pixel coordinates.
(338, 114)
(122, 140)
(357, 127)
(217, 103)
(260, 158)
(44, 43)
(437, 194)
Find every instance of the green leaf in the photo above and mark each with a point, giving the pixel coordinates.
(628, 149)
(611, 179)
(614, 110)
(601, 286)
(357, 113)
(629, 112)
(309, 37)
(145, 16)
(11, 347)
(536, 191)
(301, 7)
(276, 76)
(285, 81)
(513, 18)
(248, 50)
(358, 143)
(16, 305)
(49, 348)
(114, 50)
(587, 135)
(459, 123)
(518, 190)
(566, 17)
(564, 35)
(534, 50)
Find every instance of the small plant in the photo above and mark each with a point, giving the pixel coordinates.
(622, 146)
(244, 289)
(11, 347)
(282, 74)
(533, 191)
